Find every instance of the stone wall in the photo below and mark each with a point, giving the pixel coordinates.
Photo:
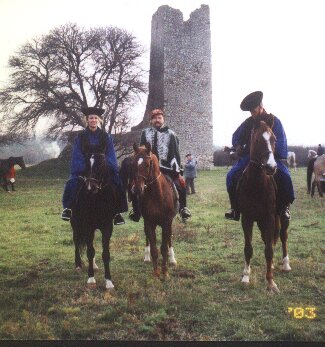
(180, 79)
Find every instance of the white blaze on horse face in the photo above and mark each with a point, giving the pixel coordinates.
(92, 160)
(140, 161)
(271, 161)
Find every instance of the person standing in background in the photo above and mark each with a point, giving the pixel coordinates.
(190, 173)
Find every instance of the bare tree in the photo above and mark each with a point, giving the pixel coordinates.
(54, 75)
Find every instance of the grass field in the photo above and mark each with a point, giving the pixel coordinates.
(42, 297)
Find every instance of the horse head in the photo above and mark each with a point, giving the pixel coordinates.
(20, 162)
(96, 170)
(145, 167)
(262, 148)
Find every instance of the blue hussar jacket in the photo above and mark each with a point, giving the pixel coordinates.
(78, 163)
(242, 135)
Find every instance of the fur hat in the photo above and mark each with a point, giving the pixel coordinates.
(155, 112)
(251, 101)
(87, 111)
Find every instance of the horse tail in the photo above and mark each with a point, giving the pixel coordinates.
(310, 169)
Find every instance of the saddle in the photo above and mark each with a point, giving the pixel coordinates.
(173, 186)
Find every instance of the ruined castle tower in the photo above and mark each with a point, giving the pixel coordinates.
(180, 78)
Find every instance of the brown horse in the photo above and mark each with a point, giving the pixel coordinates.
(257, 200)
(316, 166)
(158, 201)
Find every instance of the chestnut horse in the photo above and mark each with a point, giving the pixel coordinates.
(159, 204)
(93, 209)
(257, 200)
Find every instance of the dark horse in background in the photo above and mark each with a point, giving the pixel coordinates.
(257, 201)
(5, 166)
(159, 204)
(94, 208)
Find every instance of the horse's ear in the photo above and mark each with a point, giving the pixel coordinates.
(257, 123)
(148, 147)
(136, 147)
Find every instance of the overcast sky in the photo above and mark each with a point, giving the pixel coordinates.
(276, 46)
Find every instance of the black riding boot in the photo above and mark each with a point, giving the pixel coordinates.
(135, 214)
(183, 210)
(233, 213)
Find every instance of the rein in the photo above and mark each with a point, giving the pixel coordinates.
(260, 164)
(99, 183)
(146, 179)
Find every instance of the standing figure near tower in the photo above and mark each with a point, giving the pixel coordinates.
(241, 141)
(165, 145)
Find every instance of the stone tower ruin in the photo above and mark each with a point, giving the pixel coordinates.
(180, 79)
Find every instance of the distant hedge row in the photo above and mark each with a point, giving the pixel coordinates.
(221, 158)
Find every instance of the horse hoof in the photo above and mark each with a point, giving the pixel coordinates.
(286, 269)
(245, 279)
(273, 289)
(91, 283)
(173, 264)
(147, 260)
(109, 285)
(165, 276)
(156, 273)
(78, 269)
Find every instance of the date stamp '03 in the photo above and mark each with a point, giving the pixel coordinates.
(302, 312)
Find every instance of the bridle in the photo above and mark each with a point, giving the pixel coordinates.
(91, 181)
(259, 163)
(88, 180)
(148, 180)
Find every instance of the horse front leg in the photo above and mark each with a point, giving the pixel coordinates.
(247, 226)
(77, 257)
(171, 253)
(147, 258)
(267, 227)
(5, 185)
(106, 236)
(91, 255)
(313, 188)
(319, 187)
(164, 249)
(150, 231)
(284, 241)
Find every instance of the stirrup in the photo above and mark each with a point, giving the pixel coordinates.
(286, 213)
(232, 215)
(66, 214)
(134, 217)
(185, 213)
(118, 219)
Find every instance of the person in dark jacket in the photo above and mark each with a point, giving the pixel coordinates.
(320, 150)
(190, 173)
(241, 141)
(90, 138)
(165, 145)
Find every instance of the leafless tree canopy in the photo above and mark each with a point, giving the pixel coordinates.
(54, 75)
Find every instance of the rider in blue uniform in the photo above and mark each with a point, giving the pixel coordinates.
(241, 142)
(92, 137)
